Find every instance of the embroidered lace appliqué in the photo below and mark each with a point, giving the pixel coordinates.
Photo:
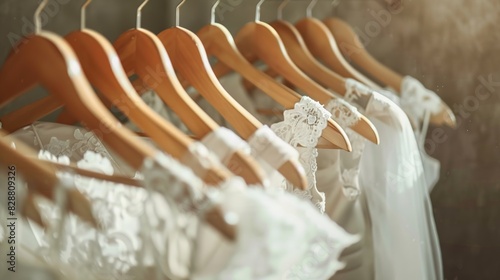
(343, 113)
(85, 142)
(117, 252)
(302, 127)
(355, 90)
(347, 115)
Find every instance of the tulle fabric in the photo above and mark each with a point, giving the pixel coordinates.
(406, 243)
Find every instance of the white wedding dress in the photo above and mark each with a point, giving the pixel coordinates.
(338, 177)
(145, 236)
(405, 241)
(316, 259)
(419, 103)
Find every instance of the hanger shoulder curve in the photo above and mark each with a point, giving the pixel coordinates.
(300, 55)
(48, 59)
(270, 49)
(187, 54)
(323, 46)
(142, 53)
(41, 178)
(218, 42)
(352, 47)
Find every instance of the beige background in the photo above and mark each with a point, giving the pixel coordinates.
(447, 44)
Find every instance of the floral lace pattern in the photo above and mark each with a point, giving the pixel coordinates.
(110, 254)
(277, 215)
(85, 141)
(343, 113)
(118, 251)
(347, 115)
(325, 243)
(355, 91)
(302, 127)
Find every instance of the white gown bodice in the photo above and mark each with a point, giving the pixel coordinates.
(145, 236)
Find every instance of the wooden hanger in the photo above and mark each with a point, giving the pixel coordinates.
(351, 47)
(258, 40)
(141, 52)
(45, 58)
(218, 42)
(96, 55)
(322, 45)
(301, 56)
(42, 178)
(190, 60)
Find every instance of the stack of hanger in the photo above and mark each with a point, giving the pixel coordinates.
(147, 200)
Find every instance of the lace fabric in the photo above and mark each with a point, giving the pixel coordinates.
(301, 128)
(343, 113)
(272, 220)
(120, 249)
(117, 251)
(347, 115)
(145, 236)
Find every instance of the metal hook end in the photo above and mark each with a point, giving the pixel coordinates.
(310, 8)
(83, 14)
(178, 12)
(281, 7)
(139, 14)
(257, 10)
(36, 17)
(212, 11)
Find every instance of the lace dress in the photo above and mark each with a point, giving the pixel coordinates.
(144, 237)
(391, 175)
(135, 221)
(419, 104)
(318, 259)
(338, 178)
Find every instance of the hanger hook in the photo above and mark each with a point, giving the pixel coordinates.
(212, 11)
(83, 13)
(281, 7)
(177, 12)
(37, 19)
(257, 10)
(310, 8)
(139, 14)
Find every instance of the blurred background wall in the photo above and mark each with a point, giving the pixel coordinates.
(452, 46)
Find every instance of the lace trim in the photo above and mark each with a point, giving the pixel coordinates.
(343, 113)
(416, 99)
(266, 145)
(123, 250)
(355, 91)
(303, 126)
